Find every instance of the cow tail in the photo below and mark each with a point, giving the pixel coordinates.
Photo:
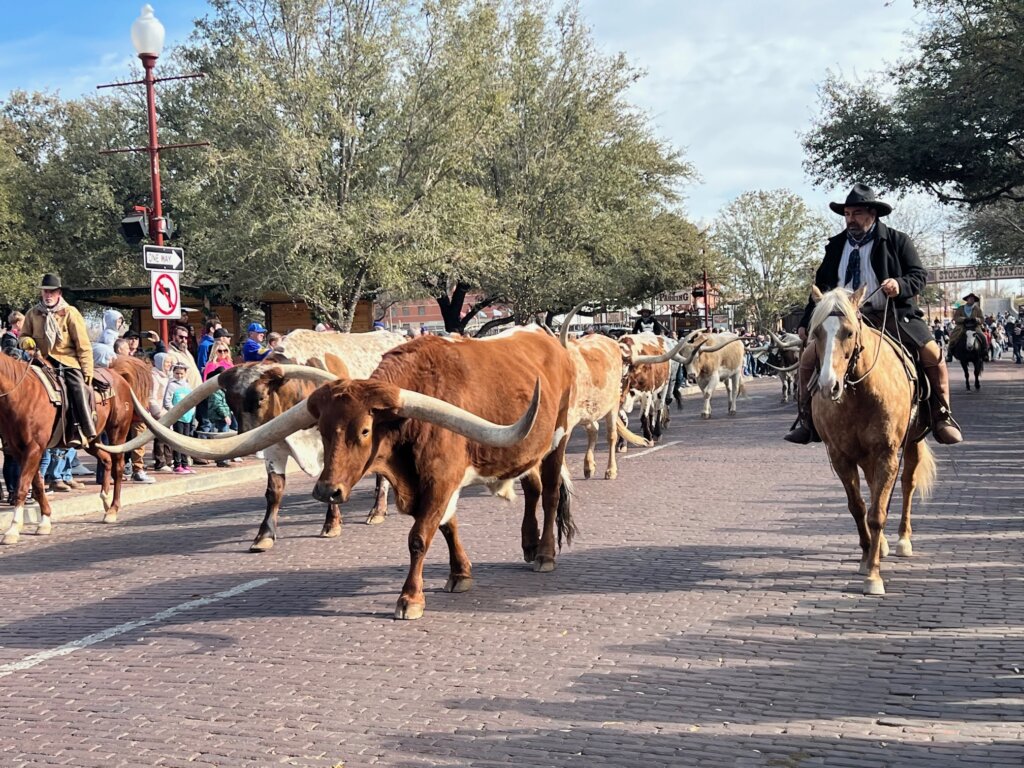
(563, 517)
(630, 437)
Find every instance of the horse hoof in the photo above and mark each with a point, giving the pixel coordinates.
(874, 587)
(529, 554)
(544, 564)
(375, 519)
(705, 415)
(904, 548)
(458, 584)
(11, 537)
(45, 528)
(110, 516)
(863, 569)
(587, 472)
(331, 533)
(977, 386)
(261, 545)
(107, 500)
(407, 611)
(884, 548)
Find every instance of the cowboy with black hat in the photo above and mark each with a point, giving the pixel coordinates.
(884, 260)
(57, 332)
(648, 323)
(967, 316)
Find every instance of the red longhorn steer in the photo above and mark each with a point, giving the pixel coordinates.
(429, 419)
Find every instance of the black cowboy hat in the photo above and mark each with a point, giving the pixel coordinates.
(50, 282)
(862, 194)
(648, 310)
(970, 295)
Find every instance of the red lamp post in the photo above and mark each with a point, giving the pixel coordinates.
(148, 39)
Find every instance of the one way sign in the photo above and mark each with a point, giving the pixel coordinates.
(163, 259)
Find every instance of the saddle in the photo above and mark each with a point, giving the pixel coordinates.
(65, 433)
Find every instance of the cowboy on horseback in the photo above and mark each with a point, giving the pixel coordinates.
(57, 333)
(885, 261)
(966, 317)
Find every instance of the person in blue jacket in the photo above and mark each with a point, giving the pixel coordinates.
(254, 350)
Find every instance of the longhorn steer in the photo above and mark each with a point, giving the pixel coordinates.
(644, 383)
(721, 361)
(784, 358)
(258, 392)
(429, 419)
(597, 361)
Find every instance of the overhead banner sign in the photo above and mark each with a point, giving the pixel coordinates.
(163, 258)
(165, 295)
(976, 272)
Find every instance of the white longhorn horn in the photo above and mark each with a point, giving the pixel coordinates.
(788, 368)
(721, 345)
(416, 405)
(294, 419)
(653, 359)
(563, 333)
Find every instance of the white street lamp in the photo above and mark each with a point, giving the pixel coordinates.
(148, 33)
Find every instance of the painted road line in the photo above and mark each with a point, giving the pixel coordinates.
(649, 450)
(120, 629)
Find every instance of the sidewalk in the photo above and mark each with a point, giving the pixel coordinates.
(74, 504)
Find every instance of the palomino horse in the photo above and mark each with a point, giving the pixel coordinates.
(864, 412)
(971, 349)
(27, 420)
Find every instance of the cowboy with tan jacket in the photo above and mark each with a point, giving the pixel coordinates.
(57, 332)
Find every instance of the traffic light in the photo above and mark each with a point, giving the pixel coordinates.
(135, 225)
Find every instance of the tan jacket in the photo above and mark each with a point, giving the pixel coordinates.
(73, 349)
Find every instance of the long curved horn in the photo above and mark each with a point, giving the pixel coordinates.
(721, 345)
(777, 340)
(294, 419)
(563, 332)
(693, 353)
(652, 359)
(788, 368)
(189, 402)
(419, 406)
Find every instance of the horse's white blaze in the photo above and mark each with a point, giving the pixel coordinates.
(827, 378)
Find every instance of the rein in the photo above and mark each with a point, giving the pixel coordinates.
(28, 368)
(848, 381)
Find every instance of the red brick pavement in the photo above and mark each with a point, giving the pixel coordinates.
(709, 614)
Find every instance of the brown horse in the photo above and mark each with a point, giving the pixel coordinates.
(864, 412)
(27, 420)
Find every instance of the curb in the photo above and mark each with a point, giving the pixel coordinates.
(68, 506)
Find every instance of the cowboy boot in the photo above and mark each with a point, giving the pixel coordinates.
(944, 427)
(803, 431)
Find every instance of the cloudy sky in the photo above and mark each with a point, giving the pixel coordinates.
(731, 83)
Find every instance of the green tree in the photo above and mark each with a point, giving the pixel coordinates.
(947, 120)
(768, 244)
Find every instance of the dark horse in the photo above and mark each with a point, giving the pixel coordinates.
(27, 419)
(971, 347)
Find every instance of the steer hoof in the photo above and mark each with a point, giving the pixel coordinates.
(610, 475)
(544, 564)
(459, 584)
(407, 611)
(261, 545)
(874, 587)
(375, 518)
(331, 532)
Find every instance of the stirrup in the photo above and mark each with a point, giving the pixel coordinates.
(945, 428)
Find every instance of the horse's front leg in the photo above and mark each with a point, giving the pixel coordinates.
(847, 472)
(967, 374)
(29, 463)
(881, 482)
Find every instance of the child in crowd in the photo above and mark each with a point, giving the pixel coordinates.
(161, 377)
(177, 390)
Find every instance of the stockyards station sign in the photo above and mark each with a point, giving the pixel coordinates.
(976, 272)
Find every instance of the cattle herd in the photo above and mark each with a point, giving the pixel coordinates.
(433, 415)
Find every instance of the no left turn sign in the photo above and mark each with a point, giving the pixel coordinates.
(165, 295)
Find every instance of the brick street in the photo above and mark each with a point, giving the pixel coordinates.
(709, 614)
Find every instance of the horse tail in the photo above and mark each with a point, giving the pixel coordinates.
(926, 470)
(137, 373)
